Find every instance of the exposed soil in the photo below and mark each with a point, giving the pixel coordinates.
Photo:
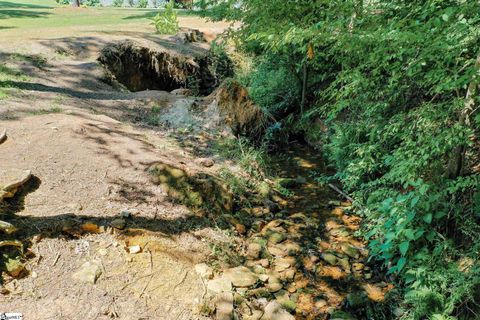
(88, 147)
(142, 68)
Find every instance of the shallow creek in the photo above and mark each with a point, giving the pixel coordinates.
(316, 268)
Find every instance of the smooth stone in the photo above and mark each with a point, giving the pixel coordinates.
(204, 271)
(219, 285)
(11, 180)
(89, 272)
(241, 277)
(330, 258)
(254, 250)
(264, 277)
(282, 265)
(206, 162)
(276, 251)
(274, 286)
(350, 250)
(119, 223)
(256, 315)
(274, 311)
(224, 306)
(258, 269)
(134, 249)
(344, 263)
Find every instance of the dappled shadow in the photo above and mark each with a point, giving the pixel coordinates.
(146, 15)
(15, 14)
(152, 13)
(81, 47)
(9, 4)
(69, 92)
(70, 225)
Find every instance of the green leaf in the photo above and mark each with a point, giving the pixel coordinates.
(401, 263)
(440, 214)
(414, 201)
(428, 218)
(410, 234)
(404, 247)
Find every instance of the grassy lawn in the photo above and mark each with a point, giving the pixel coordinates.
(33, 19)
(24, 14)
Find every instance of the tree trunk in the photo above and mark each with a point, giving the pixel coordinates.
(304, 87)
(456, 163)
(76, 3)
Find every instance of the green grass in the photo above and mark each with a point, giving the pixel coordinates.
(8, 77)
(33, 14)
(45, 111)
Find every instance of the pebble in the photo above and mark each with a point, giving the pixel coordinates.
(134, 249)
(330, 258)
(253, 250)
(241, 229)
(125, 214)
(276, 237)
(89, 272)
(241, 277)
(274, 286)
(119, 223)
(206, 162)
(274, 311)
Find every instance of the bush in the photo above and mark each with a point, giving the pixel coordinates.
(91, 3)
(118, 3)
(272, 87)
(166, 22)
(142, 3)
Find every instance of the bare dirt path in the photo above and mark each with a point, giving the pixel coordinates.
(89, 151)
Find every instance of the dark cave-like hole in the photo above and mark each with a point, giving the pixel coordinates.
(140, 68)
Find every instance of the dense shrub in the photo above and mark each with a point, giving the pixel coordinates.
(91, 3)
(166, 22)
(142, 3)
(392, 99)
(117, 3)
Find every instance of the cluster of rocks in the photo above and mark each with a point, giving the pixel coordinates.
(11, 180)
(296, 266)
